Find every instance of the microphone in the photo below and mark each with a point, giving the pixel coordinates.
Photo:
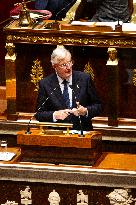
(63, 9)
(55, 25)
(28, 126)
(79, 117)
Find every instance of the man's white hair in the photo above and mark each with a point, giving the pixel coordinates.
(59, 54)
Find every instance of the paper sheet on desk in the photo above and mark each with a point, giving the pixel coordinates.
(6, 156)
(76, 132)
(125, 26)
(87, 23)
(129, 27)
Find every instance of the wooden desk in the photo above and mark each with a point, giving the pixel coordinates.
(60, 149)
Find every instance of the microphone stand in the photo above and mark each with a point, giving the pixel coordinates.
(28, 126)
(56, 25)
(79, 117)
(81, 128)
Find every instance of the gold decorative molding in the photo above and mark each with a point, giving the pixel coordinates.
(134, 77)
(36, 74)
(89, 69)
(102, 41)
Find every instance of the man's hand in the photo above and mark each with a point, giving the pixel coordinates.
(80, 110)
(61, 114)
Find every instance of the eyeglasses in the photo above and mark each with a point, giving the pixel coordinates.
(65, 64)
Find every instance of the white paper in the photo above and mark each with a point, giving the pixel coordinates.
(6, 156)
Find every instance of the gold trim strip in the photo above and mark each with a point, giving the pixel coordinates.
(92, 41)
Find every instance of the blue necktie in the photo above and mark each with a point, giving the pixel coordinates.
(66, 94)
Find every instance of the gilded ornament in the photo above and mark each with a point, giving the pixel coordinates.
(74, 40)
(24, 16)
(89, 69)
(134, 77)
(36, 74)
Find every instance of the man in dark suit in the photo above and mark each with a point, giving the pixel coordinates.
(82, 103)
(105, 10)
(58, 8)
(112, 10)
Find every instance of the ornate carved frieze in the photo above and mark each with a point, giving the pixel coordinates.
(102, 41)
(119, 196)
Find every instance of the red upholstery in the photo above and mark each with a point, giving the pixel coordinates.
(16, 10)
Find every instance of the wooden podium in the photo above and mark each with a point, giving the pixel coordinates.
(59, 148)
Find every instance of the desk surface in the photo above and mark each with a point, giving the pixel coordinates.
(116, 161)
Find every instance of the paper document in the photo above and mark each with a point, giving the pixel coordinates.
(6, 156)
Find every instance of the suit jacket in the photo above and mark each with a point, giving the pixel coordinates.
(111, 10)
(50, 99)
(105, 10)
(55, 6)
